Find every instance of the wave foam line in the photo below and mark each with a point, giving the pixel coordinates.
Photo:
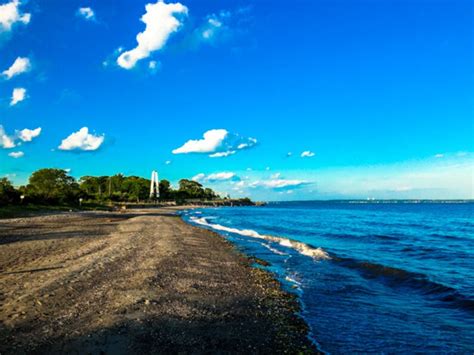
(273, 250)
(302, 248)
(293, 281)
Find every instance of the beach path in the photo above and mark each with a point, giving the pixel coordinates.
(137, 282)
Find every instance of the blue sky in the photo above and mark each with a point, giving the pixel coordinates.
(379, 94)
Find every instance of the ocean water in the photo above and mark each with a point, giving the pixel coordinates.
(372, 277)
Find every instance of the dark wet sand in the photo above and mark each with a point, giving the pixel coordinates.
(136, 282)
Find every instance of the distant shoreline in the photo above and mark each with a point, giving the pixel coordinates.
(377, 201)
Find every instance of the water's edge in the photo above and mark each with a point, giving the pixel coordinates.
(282, 281)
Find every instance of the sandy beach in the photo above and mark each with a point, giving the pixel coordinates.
(137, 282)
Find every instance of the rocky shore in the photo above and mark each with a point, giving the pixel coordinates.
(136, 282)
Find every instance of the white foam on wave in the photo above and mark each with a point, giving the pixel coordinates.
(292, 280)
(302, 248)
(273, 250)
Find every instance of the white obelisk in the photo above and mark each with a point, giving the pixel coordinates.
(154, 187)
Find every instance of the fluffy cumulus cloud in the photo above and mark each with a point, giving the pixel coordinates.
(24, 135)
(217, 143)
(222, 176)
(161, 20)
(10, 14)
(210, 142)
(18, 95)
(82, 140)
(6, 141)
(16, 155)
(86, 12)
(19, 66)
(307, 154)
(27, 135)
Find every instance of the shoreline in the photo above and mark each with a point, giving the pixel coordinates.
(264, 264)
(137, 281)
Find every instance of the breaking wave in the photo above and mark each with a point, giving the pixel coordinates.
(302, 248)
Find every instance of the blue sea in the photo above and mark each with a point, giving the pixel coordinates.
(371, 277)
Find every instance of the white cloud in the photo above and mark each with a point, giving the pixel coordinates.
(18, 95)
(218, 142)
(27, 135)
(6, 141)
(222, 154)
(168, 162)
(16, 155)
(24, 135)
(222, 176)
(19, 66)
(161, 21)
(279, 183)
(439, 156)
(225, 175)
(10, 14)
(276, 176)
(211, 141)
(251, 142)
(307, 154)
(82, 140)
(198, 177)
(87, 13)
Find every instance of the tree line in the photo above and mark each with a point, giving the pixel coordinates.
(56, 186)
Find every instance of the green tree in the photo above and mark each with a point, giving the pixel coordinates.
(166, 193)
(8, 194)
(90, 185)
(190, 189)
(52, 186)
(114, 184)
(209, 194)
(135, 188)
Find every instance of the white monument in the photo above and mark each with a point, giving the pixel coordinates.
(154, 187)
